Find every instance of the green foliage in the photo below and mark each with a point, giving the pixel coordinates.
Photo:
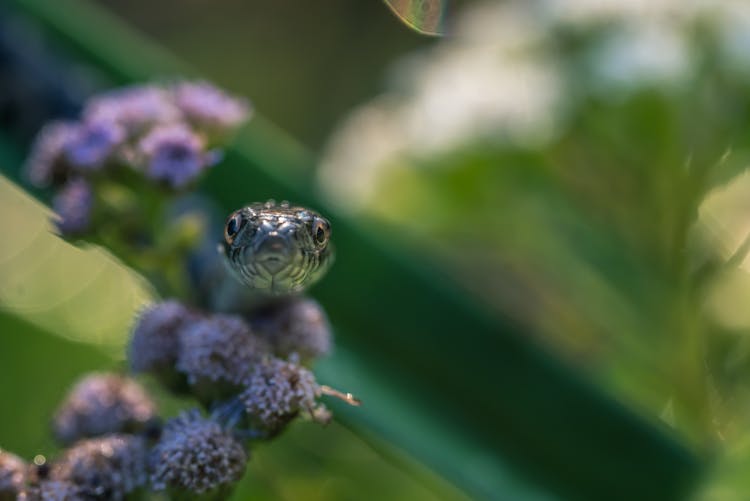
(600, 242)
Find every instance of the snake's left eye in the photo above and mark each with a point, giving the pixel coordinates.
(321, 232)
(234, 223)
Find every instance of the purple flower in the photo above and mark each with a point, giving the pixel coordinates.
(220, 348)
(100, 404)
(196, 455)
(105, 468)
(73, 205)
(155, 340)
(51, 490)
(173, 154)
(297, 326)
(12, 475)
(276, 391)
(93, 143)
(136, 108)
(209, 108)
(45, 164)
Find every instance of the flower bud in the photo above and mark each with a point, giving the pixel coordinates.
(73, 205)
(296, 326)
(109, 467)
(196, 455)
(46, 163)
(173, 155)
(13, 471)
(217, 354)
(154, 343)
(276, 391)
(209, 109)
(93, 144)
(136, 108)
(101, 404)
(52, 490)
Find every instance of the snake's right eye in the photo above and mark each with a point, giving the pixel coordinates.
(234, 223)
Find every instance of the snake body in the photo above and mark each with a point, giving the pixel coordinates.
(277, 249)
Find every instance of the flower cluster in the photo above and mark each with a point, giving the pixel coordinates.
(192, 454)
(116, 445)
(196, 454)
(114, 464)
(296, 326)
(168, 135)
(276, 391)
(100, 404)
(121, 164)
(104, 468)
(219, 358)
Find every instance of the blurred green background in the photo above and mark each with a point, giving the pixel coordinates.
(569, 173)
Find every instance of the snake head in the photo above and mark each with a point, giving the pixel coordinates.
(277, 248)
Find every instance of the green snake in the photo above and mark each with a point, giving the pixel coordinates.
(277, 249)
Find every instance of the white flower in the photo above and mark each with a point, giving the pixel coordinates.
(641, 54)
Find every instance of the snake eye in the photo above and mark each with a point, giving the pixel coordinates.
(234, 223)
(321, 232)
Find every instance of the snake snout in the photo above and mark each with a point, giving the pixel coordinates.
(273, 252)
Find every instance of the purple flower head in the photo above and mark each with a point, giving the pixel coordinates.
(209, 108)
(197, 455)
(155, 341)
(93, 143)
(278, 390)
(105, 468)
(297, 326)
(173, 154)
(73, 205)
(12, 475)
(100, 404)
(52, 490)
(136, 108)
(45, 164)
(220, 348)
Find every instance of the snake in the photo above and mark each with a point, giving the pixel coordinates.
(277, 249)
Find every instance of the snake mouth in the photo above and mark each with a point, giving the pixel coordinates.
(273, 252)
(273, 264)
(269, 265)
